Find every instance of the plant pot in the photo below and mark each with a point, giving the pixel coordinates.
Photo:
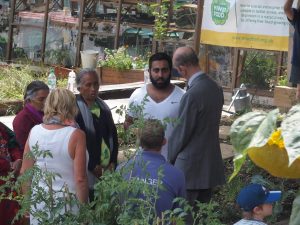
(112, 76)
(61, 72)
(89, 58)
(284, 97)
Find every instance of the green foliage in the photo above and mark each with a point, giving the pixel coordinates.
(3, 40)
(160, 11)
(57, 205)
(121, 60)
(251, 130)
(62, 83)
(295, 216)
(241, 131)
(144, 7)
(283, 81)
(268, 134)
(117, 200)
(57, 56)
(13, 81)
(291, 133)
(44, 203)
(19, 53)
(260, 68)
(254, 130)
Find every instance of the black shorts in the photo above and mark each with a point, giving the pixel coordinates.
(295, 74)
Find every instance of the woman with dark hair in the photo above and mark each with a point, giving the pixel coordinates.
(95, 119)
(32, 114)
(10, 161)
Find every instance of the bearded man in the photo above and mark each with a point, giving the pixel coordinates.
(157, 100)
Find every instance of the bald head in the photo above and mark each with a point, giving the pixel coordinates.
(186, 62)
(185, 56)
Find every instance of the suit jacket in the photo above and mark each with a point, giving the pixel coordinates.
(194, 144)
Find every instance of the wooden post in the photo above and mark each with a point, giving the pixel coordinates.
(241, 66)
(116, 44)
(198, 25)
(156, 44)
(80, 35)
(206, 60)
(236, 59)
(290, 52)
(44, 36)
(10, 31)
(279, 65)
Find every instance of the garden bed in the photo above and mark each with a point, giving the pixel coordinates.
(113, 76)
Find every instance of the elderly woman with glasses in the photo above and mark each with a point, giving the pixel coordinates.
(32, 114)
(95, 119)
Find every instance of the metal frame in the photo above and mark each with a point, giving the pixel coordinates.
(16, 7)
(89, 7)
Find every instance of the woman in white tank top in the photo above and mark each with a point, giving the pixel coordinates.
(67, 147)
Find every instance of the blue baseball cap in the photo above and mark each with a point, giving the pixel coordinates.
(254, 195)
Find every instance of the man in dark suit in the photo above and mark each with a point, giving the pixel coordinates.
(194, 145)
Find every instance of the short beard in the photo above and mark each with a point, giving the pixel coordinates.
(163, 85)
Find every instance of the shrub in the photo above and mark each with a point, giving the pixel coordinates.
(121, 60)
(259, 69)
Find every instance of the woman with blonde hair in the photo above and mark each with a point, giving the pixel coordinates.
(65, 143)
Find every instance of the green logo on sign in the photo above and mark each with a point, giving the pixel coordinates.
(219, 11)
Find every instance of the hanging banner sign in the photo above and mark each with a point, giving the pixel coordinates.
(258, 24)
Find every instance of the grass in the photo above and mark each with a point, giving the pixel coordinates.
(13, 81)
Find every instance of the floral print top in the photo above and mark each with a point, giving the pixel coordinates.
(9, 149)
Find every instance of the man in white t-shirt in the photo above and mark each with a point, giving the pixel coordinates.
(159, 99)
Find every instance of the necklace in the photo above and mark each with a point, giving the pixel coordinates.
(57, 121)
(54, 121)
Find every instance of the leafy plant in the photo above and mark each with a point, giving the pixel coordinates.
(259, 70)
(13, 81)
(19, 53)
(283, 80)
(3, 40)
(117, 200)
(46, 205)
(121, 60)
(57, 56)
(144, 7)
(160, 11)
(271, 142)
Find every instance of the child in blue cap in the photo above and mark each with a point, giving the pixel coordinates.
(256, 203)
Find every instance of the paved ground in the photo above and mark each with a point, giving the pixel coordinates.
(113, 105)
(227, 151)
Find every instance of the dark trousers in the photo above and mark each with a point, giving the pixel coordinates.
(201, 195)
